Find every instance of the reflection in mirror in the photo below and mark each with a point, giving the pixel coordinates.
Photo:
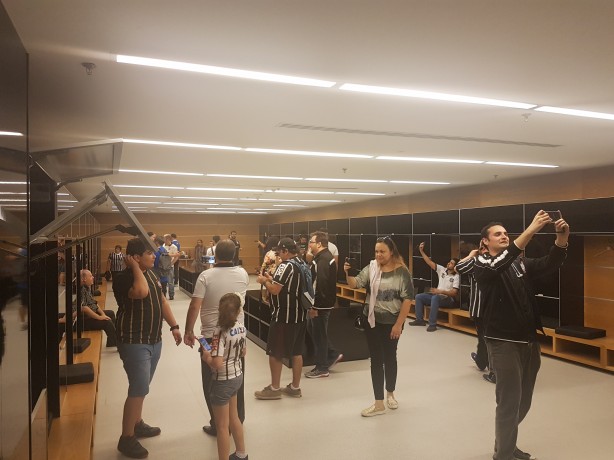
(14, 402)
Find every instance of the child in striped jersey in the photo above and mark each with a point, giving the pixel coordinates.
(227, 349)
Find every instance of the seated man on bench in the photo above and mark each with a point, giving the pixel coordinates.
(94, 317)
(443, 296)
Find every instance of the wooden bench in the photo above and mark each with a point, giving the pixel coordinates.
(72, 434)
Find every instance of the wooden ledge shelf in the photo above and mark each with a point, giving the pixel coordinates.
(354, 295)
(72, 434)
(598, 353)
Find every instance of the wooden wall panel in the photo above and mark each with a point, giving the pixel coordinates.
(599, 313)
(188, 228)
(558, 186)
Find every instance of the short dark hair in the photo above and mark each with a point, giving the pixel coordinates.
(486, 228)
(216, 238)
(225, 251)
(150, 233)
(174, 235)
(321, 238)
(118, 246)
(456, 260)
(135, 247)
(159, 240)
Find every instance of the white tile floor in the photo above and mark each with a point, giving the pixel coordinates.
(446, 409)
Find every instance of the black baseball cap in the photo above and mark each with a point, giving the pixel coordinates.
(288, 244)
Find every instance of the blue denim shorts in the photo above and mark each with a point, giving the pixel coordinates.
(223, 390)
(140, 362)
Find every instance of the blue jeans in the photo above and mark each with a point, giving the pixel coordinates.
(325, 354)
(140, 362)
(435, 301)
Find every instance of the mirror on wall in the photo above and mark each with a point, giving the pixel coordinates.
(14, 345)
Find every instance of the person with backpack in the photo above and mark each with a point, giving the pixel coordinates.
(324, 275)
(288, 321)
(163, 264)
(389, 294)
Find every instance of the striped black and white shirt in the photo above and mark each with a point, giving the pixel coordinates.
(475, 296)
(230, 345)
(138, 320)
(117, 262)
(286, 305)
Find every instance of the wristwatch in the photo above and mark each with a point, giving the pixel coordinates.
(176, 326)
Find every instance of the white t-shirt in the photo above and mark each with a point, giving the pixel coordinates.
(446, 281)
(172, 249)
(210, 286)
(229, 344)
(211, 251)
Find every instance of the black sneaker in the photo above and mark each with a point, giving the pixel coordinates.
(520, 455)
(474, 356)
(130, 447)
(143, 430)
(490, 377)
(417, 322)
(233, 456)
(431, 329)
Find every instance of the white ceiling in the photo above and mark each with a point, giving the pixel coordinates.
(551, 52)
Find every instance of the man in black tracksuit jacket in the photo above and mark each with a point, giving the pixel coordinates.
(324, 274)
(511, 319)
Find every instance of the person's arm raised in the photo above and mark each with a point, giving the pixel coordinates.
(426, 258)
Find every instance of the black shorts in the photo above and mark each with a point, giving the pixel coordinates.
(286, 340)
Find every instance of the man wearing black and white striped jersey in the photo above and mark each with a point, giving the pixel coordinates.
(511, 318)
(115, 262)
(288, 322)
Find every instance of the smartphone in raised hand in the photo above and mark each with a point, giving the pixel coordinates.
(203, 343)
(554, 215)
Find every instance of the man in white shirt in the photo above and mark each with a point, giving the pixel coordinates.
(211, 285)
(442, 296)
(174, 253)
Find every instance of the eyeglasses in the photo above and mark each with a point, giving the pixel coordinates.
(383, 239)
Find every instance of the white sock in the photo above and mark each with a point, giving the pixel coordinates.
(241, 454)
(292, 386)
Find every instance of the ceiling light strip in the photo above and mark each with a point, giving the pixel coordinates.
(529, 165)
(428, 160)
(241, 176)
(434, 96)
(418, 182)
(10, 133)
(149, 186)
(330, 179)
(181, 144)
(218, 189)
(172, 173)
(575, 113)
(223, 71)
(307, 153)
